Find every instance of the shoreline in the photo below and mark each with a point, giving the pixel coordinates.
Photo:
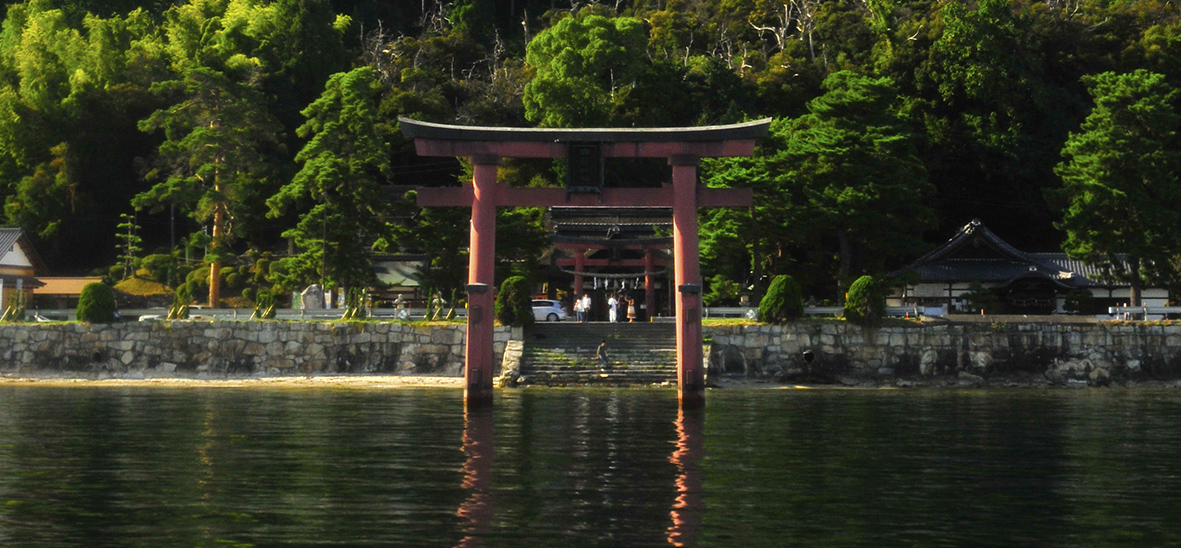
(349, 382)
(399, 382)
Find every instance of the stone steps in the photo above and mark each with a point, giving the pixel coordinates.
(564, 354)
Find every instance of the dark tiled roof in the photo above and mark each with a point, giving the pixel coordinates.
(977, 254)
(1064, 262)
(8, 237)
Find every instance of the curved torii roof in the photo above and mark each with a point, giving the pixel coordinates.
(433, 139)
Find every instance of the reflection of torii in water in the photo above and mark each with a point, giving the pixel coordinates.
(477, 511)
(585, 149)
(686, 511)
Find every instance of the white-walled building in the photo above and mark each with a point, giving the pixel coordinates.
(19, 266)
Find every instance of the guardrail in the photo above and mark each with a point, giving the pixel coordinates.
(752, 313)
(1143, 312)
(147, 314)
(195, 313)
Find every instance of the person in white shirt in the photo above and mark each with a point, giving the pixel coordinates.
(613, 309)
(586, 307)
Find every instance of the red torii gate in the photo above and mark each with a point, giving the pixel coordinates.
(682, 147)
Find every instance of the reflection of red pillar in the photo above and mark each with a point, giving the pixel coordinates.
(578, 268)
(687, 270)
(481, 262)
(686, 511)
(649, 284)
(477, 510)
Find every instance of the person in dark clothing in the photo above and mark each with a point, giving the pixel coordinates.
(601, 353)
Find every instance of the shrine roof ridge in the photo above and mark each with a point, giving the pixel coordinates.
(417, 129)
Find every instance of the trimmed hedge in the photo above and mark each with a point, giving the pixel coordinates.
(784, 301)
(514, 303)
(96, 304)
(865, 304)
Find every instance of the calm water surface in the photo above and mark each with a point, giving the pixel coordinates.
(225, 467)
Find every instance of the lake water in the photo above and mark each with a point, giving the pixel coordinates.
(284, 467)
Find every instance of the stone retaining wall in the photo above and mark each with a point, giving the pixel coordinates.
(207, 349)
(1054, 353)
(818, 351)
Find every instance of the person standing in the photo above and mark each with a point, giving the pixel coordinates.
(631, 310)
(613, 309)
(601, 354)
(586, 307)
(579, 315)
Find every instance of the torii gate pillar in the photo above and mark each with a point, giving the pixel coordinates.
(481, 265)
(687, 275)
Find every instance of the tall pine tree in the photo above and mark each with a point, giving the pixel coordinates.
(342, 164)
(1121, 191)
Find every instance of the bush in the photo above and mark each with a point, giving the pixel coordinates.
(514, 303)
(979, 298)
(96, 304)
(158, 266)
(865, 304)
(784, 301)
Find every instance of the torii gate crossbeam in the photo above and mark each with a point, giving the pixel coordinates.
(682, 147)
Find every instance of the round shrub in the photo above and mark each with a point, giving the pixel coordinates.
(784, 300)
(96, 304)
(865, 303)
(514, 303)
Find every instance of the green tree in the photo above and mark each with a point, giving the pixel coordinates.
(211, 157)
(71, 91)
(993, 114)
(585, 65)
(129, 246)
(722, 291)
(342, 163)
(857, 159)
(1121, 192)
(42, 202)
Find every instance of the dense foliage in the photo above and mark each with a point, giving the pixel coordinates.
(866, 302)
(514, 302)
(1121, 181)
(241, 128)
(784, 301)
(96, 304)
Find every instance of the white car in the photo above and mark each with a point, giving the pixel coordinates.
(545, 310)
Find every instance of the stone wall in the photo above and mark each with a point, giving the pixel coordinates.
(208, 349)
(973, 352)
(805, 351)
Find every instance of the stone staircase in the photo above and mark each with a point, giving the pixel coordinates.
(559, 354)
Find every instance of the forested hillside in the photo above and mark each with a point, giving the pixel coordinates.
(258, 139)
